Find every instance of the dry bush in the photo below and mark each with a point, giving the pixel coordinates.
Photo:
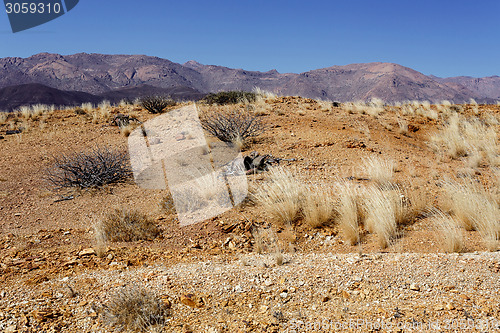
(348, 212)
(156, 104)
(87, 107)
(280, 196)
(451, 137)
(267, 241)
(450, 232)
(3, 117)
(379, 170)
(318, 205)
(403, 126)
(476, 210)
(232, 126)
(462, 137)
(124, 225)
(381, 215)
(91, 169)
(136, 309)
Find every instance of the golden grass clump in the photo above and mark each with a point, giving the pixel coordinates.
(348, 212)
(137, 309)
(3, 117)
(318, 205)
(281, 196)
(122, 225)
(381, 215)
(449, 231)
(475, 209)
(379, 170)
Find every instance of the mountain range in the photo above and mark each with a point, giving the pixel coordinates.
(69, 79)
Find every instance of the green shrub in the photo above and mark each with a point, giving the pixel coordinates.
(156, 104)
(230, 97)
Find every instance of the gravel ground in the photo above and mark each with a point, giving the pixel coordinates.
(386, 292)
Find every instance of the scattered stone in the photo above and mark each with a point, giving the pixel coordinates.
(191, 300)
(86, 252)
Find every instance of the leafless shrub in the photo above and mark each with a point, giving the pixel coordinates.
(123, 225)
(136, 309)
(90, 169)
(232, 126)
(156, 104)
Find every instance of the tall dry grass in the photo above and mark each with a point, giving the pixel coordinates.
(281, 196)
(476, 209)
(348, 212)
(318, 205)
(449, 231)
(379, 170)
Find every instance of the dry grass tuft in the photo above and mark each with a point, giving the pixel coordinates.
(476, 210)
(280, 196)
(381, 215)
(123, 225)
(318, 205)
(449, 231)
(137, 310)
(348, 212)
(3, 117)
(379, 170)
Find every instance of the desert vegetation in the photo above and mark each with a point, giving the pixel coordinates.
(156, 104)
(95, 168)
(136, 309)
(353, 184)
(232, 126)
(231, 97)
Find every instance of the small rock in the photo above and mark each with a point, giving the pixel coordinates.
(17, 214)
(191, 300)
(414, 287)
(345, 294)
(449, 306)
(10, 329)
(268, 283)
(86, 252)
(263, 308)
(110, 256)
(284, 295)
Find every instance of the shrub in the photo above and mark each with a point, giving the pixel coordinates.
(136, 309)
(232, 126)
(91, 169)
(230, 97)
(123, 225)
(156, 104)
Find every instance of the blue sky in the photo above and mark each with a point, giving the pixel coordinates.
(444, 38)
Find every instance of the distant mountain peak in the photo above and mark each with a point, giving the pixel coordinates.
(99, 74)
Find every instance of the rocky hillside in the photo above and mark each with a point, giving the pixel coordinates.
(98, 74)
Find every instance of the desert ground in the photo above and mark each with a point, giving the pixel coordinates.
(388, 221)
